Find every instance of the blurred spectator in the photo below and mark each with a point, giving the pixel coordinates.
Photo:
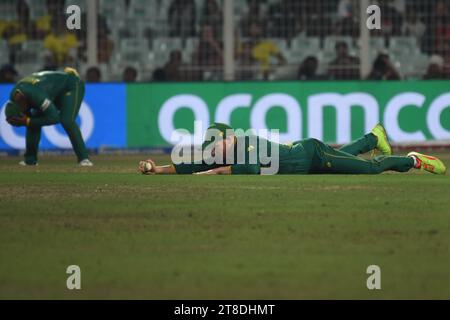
(253, 12)
(61, 42)
(23, 16)
(347, 24)
(104, 43)
(55, 11)
(383, 69)
(285, 18)
(308, 69)
(102, 26)
(212, 15)
(93, 74)
(8, 74)
(441, 27)
(105, 48)
(159, 75)
(209, 52)
(432, 17)
(275, 21)
(391, 16)
(347, 8)
(245, 63)
(344, 66)
(129, 74)
(317, 23)
(49, 66)
(413, 26)
(49, 63)
(14, 33)
(426, 20)
(263, 50)
(435, 70)
(181, 18)
(398, 5)
(172, 68)
(18, 31)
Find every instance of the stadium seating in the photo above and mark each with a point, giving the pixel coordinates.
(403, 46)
(8, 10)
(330, 42)
(189, 48)
(163, 46)
(112, 9)
(81, 3)
(131, 49)
(140, 33)
(33, 45)
(303, 46)
(412, 66)
(30, 61)
(377, 44)
(38, 8)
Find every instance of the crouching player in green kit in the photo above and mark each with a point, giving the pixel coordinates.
(43, 99)
(309, 156)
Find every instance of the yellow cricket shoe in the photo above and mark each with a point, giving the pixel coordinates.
(428, 163)
(383, 144)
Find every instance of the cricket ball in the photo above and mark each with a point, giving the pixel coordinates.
(148, 166)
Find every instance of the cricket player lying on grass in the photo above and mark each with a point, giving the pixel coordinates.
(43, 99)
(309, 156)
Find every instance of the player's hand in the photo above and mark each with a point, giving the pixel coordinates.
(147, 166)
(18, 121)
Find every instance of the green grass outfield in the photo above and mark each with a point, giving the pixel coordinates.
(208, 237)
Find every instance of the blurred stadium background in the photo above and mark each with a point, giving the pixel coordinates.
(193, 54)
(310, 68)
(195, 40)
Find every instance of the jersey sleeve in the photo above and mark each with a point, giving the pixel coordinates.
(189, 168)
(47, 117)
(245, 169)
(48, 113)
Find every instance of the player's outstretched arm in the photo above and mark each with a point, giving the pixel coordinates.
(149, 167)
(220, 170)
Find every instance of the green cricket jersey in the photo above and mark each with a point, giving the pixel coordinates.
(292, 158)
(306, 156)
(42, 89)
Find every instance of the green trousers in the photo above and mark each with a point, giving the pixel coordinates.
(69, 105)
(345, 160)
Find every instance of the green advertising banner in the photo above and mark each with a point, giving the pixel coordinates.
(335, 112)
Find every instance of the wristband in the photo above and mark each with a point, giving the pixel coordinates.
(28, 121)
